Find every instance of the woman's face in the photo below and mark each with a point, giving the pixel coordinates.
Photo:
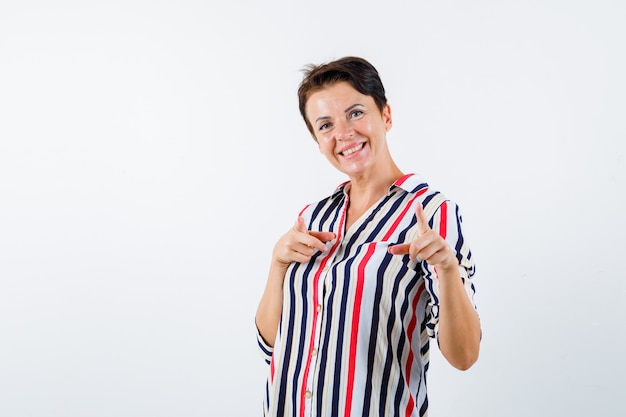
(349, 128)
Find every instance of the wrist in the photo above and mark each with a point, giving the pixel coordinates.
(277, 273)
(448, 268)
(279, 266)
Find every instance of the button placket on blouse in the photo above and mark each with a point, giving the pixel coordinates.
(318, 310)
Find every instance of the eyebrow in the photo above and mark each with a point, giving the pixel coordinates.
(351, 107)
(345, 111)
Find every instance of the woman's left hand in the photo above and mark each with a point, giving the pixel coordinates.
(428, 245)
(459, 327)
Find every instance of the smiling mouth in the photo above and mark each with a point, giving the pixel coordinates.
(352, 150)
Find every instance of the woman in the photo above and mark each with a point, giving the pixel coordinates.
(367, 275)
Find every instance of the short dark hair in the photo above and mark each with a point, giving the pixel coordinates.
(357, 71)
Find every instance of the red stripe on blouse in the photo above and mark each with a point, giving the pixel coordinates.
(401, 180)
(411, 405)
(303, 210)
(399, 218)
(443, 226)
(354, 334)
(443, 223)
(318, 273)
(359, 296)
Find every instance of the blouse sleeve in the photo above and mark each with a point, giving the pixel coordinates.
(265, 349)
(446, 220)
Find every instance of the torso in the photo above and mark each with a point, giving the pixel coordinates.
(356, 322)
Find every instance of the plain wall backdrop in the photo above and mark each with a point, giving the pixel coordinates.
(151, 153)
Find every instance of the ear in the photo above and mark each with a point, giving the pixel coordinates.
(387, 117)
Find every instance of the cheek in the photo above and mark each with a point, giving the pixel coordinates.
(325, 148)
(328, 152)
(369, 126)
(324, 143)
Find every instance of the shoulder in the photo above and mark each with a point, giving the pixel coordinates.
(421, 191)
(434, 202)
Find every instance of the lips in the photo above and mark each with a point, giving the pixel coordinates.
(353, 149)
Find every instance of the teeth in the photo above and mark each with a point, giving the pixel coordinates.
(352, 150)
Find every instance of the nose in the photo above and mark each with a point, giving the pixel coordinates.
(344, 130)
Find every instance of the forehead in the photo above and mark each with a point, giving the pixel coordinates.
(336, 96)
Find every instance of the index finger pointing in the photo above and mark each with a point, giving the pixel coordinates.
(300, 226)
(312, 239)
(323, 236)
(422, 222)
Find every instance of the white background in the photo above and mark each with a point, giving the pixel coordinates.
(151, 153)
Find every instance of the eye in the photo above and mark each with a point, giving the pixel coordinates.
(355, 113)
(324, 126)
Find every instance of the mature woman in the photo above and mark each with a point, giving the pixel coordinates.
(367, 275)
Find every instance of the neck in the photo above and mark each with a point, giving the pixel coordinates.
(366, 189)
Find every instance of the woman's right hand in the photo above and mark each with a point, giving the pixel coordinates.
(299, 244)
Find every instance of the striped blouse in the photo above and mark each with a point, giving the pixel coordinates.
(354, 333)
